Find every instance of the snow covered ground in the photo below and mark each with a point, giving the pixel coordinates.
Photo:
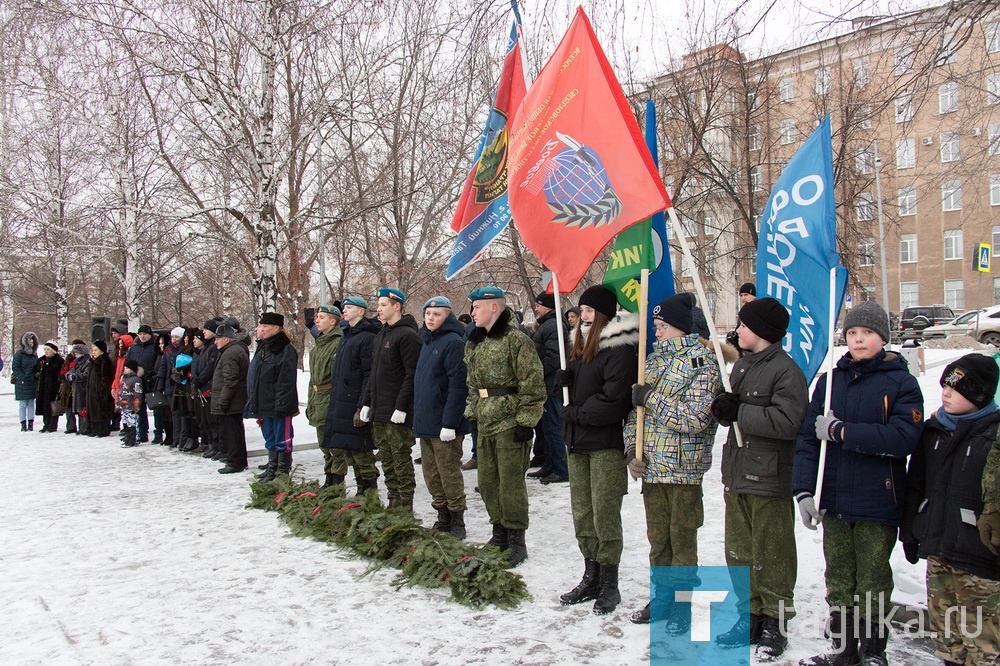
(145, 556)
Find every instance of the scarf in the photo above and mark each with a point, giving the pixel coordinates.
(950, 421)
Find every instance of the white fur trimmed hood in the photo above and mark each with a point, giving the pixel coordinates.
(621, 331)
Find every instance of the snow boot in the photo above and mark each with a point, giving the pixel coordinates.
(873, 642)
(364, 486)
(608, 597)
(457, 528)
(157, 438)
(518, 550)
(844, 637)
(271, 469)
(443, 523)
(499, 538)
(285, 462)
(589, 586)
(772, 641)
(31, 425)
(740, 634)
(24, 426)
(210, 452)
(641, 616)
(333, 480)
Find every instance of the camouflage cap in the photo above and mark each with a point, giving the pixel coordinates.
(486, 293)
(391, 294)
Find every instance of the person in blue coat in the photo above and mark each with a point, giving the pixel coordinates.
(874, 424)
(439, 397)
(24, 376)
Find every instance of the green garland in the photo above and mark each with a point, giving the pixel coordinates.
(476, 574)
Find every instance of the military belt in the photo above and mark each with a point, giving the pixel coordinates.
(492, 392)
(321, 387)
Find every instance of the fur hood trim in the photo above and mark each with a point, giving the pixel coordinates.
(621, 331)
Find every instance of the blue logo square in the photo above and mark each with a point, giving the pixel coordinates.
(689, 607)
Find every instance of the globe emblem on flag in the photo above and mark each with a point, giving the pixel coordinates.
(577, 188)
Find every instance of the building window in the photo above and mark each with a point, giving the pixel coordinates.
(907, 201)
(861, 75)
(948, 97)
(906, 154)
(689, 226)
(866, 252)
(993, 88)
(994, 139)
(951, 195)
(689, 187)
(950, 146)
(996, 241)
(904, 108)
(993, 38)
(753, 102)
(864, 116)
(995, 189)
(863, 162)
(902, 60)
(823, 81)
(753, 138)
(908, 248)
(868, 292)
(756, 179)
(953, 244)
(787, 131)
(708, 223)
(865, 208)
(996, 290)
(949, 48)
(786, 89)
(954, 294)
(909, 295)
(669, 183)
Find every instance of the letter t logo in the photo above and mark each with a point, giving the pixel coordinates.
(701, 610)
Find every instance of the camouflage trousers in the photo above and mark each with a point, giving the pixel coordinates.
(334, 460)
(674, 512)
(857, 566)
(964, 614)
(363, 464)
(396, 441)
(441, 463)
(502, 464)
(760, 534)
(597, 482)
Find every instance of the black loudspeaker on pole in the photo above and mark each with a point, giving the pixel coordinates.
(100, 329)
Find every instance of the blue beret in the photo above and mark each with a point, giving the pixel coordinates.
(356, 301)
(393, 294)
(437, 302)
(486, 293)
(330, 309)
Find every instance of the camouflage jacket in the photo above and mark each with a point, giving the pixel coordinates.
(678, 427)
(321, 360)
(991, 476)
(503, 357)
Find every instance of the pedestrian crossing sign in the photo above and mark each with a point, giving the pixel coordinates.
(983, 262)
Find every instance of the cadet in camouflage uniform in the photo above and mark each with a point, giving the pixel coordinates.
(506, 397)
(989, 521)
(942, 499)
(321, 360)
(682, 379)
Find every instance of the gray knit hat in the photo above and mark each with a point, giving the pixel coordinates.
(869, 315)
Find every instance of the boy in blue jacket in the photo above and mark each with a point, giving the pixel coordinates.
(874, 423)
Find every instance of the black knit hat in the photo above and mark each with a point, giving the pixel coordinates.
(601, 299)
(132, 364)
(546, 299)
(748, 288)
(146, 328)
(272, 319)
(766, 317)
(975, 376)
(677, 311)
(102, 345)
(212, 324)
(868, 314)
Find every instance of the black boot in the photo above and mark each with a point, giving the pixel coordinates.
(608, 597)
(873, 640)
(499, 538)
(333, 480)
(211, 451)
(518, 550)
(443, 523)
(678, 619)
(844, 636)
(772, 641)
(457, 529)
(364, 486)
(31, 425)
(588, 587)
(271, 469)
(285, 462)
(641, 616)
(24, 426)
(740, 634)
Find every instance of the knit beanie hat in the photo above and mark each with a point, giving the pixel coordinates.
(102, 345)
(975, 376)
(132, 364)
(868, 314)
(546, 300)
(601, 299)
(748, 288)
(53, 345)
(177, 332)
(766, 317)
(146, 328)
(677, 311)
(80, 348)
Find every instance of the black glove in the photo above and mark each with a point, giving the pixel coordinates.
(726, 408)
(310, 317)
(523, 433)
(639, 394)
(569, 413)
(564, 378)
(910, 549)
(733, 338)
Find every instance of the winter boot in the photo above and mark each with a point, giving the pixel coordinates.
(443, 523)
(271, 469)
(608, 597)
(518, 550)
(190, 444)
(333, 480)
(24, 426)
(741, 634)
(873, 642)
(678, 619)
(404, 505)
(364, 486)
(641, 616)
(285, 462)
(499, 538)
(589, 586)
(457, 528)
(31, 425)
(772, 641)
(211, 451)
(157, 438)
(845, 643)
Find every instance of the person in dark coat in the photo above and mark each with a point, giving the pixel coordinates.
(144, 352)
(943, 499)
(24, 376)
(181, 408)
(165, 386)
(274, 396)
(604, 363)
(351, 371)
(202, 370)
(79, 375)
(874, 422)
(100, 401)
(49, 381)
(439, 397)
(547, 342)
(229, 394)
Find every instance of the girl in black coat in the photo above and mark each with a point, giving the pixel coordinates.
(100, 402)
(49, 383)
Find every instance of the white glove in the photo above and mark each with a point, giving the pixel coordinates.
(807, 511)
(366, 414)
(398, 417)
(447, 434)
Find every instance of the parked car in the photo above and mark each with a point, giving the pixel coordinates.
(965, 324)
(919, 317)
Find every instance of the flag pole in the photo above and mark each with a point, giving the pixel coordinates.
(640, 411)
(700, 290)
(561, 334)
(828, 394)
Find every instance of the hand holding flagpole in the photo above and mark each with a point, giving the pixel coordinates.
(640, 411)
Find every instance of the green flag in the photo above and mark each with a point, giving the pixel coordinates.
(632, 252)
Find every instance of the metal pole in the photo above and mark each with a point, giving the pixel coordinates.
(322, 232)
(881, 236)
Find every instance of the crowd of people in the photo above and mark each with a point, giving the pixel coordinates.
(380, 384)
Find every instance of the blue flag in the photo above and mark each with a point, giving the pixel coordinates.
(661, 278)
(797, 249)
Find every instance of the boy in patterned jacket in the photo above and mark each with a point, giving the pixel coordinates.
(130, 401)
(682, 379)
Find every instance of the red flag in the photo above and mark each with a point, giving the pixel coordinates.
(579, 169)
